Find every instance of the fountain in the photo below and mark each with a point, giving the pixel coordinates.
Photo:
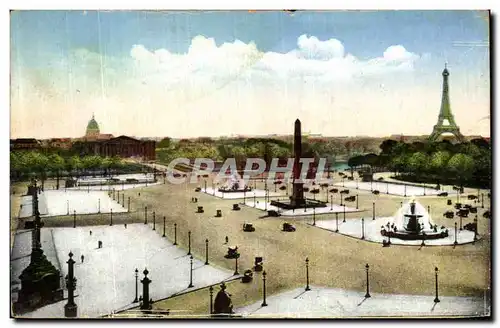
(413, 222)
(235, 184)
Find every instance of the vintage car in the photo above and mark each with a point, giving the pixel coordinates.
(443, 194)
(334, 190)
(248, 227)
(197, 189)
(345, 191)
(288, 227)
(375, 192)
(449, 214)
(350, 198)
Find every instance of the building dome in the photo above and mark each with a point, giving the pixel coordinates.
(92, 128)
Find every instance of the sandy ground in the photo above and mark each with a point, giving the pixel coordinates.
(335, 260)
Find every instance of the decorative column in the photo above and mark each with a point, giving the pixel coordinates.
(206, 251)
(71, 309)
(367, 295)
(264, 289)
(189, 243)
(436, 299)
(136, 299)
(146, 301)
(190, 271)
(307, 274)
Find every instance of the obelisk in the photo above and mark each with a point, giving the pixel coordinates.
(297, 198)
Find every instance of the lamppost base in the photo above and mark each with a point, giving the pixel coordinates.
(236, 273)
(135, 300)
(70, 310)
(308, 288)
(175, 244)
(163, 235)
(264, 304)
(189, 253)
(190, 286)
(367, 295)
(436, 300)
(206, 262)
(336, 230)
(455, 243)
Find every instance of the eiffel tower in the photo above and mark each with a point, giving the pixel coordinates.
(445, 114)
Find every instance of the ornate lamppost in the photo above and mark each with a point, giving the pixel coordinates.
(189, 243)
(367, 295)
(211, 290)
(206, 251)
(70, 309)
(136, 299)
(455, 242)
(175, 233)
(362, 228)
(314, 216)
(337, 222)
(344, 213)
(111, 217)
(146, 214)
(163, 226)
(264, 289)
(307, 274)
(154, 220)
(236, 264)
(190, 271)
(373, 210)
(436, 299)
(74, 218)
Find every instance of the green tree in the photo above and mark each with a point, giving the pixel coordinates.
(438, 164)
(462, 166)
(56, 164)
(165, 143)
(418, 163)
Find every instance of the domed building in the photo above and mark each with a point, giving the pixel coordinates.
(92, 128)
(95, 143)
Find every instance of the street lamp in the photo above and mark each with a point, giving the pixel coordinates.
(111, 217)
(99, 205)
(74, 218)
(154, 220)
(307, 274)
(206, 251)
(357, 201)
(191, 271)
(436, 299)
(136, 286)
(475, 229)
(362, 228)
(314, 216)
(344, 213)
(337, 222)
(163, 226)
(455, 243)
(211, 290)
(175, 233)
(189, 243)
(331, 202)
(236, 264)
(128, 204)
(367, 295)
(264, 288)
(146, 214)
(373, 210)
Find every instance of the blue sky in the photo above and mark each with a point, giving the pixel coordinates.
(43, 43)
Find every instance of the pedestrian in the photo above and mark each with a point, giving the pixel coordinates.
(91, 232)
(82, 257)
(227, 240)
(125, 226)
(99, 244)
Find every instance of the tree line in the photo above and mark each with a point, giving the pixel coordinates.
(463, 164)
(33, 164)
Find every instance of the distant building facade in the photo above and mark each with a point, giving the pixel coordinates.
(25, 144)
(122, 146)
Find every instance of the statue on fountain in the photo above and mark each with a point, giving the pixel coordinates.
(223, 303)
